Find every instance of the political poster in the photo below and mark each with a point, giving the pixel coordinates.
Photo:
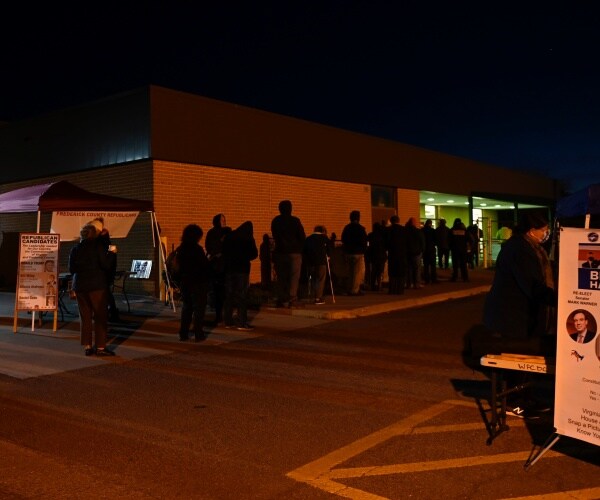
(577, 405)
(69, 223)
(37, 276)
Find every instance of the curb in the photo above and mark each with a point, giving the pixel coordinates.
(386, 307)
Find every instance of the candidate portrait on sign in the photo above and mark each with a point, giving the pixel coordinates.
(581, 326)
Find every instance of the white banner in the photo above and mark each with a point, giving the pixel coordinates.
(577, 406)
(37, 279)
(68, 224)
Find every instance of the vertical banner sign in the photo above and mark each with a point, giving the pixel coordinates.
(577, 409)
(37, 278)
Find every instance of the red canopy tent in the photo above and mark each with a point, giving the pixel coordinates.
(63, 195)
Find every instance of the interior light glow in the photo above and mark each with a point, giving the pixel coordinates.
(483, 204)
(450, 201)
(430, 199)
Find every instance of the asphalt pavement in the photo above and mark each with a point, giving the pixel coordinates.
(151, 325)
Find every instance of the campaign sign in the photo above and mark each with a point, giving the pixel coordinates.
(37, 277)
(577, 410)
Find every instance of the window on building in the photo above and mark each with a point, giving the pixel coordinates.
(382, 196)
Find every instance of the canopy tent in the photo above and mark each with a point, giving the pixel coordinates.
(585, 202)
(69, 201)
(72, 206)
(582, 202)
(63, 195)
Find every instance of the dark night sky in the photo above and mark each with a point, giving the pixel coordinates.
(511, 84)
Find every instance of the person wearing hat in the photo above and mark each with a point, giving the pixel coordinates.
(89, 263)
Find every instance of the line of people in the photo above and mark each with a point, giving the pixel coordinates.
(224, 268)
(413, 253)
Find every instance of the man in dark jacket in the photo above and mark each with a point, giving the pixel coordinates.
(214, 252)
(458, 239)
(289, 236)
(397, 247)
(416, 244)
(429, 263)
(354, 244)
(239, 250)
(316, 247)
(443, 246)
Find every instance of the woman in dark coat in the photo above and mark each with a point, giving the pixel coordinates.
(519, 309)
(89, 264)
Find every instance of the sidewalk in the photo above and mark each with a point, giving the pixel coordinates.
(151, 327)
(371, 303)
(345, 307)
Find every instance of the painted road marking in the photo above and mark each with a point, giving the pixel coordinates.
(322, 473)
(585, 494)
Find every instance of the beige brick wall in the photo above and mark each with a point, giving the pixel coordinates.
(244, 195)
(408, 204)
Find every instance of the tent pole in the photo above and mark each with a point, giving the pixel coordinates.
(164, 261)
(154, 225)
(39, 218)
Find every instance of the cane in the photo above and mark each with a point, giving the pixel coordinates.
(330, 280)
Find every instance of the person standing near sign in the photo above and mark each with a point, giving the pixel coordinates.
(520, 305)
(519, 308)
(88, 264)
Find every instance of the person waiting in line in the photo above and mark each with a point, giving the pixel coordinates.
(264, 254)
(429, 257)
(397, 250)
(289, 236)
(443, 245)
(194, 282)
(475, 235)
(89, 264)
(376, 256)
(315, 257)
(519, 310)
(458, 240)
(239, 250)
(354, 244)
(214, 252)
(416, 244)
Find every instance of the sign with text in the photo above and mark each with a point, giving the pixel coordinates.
(577, 410)
(37, 278)
(68, 224)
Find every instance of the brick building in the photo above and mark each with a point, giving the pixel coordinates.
(195, 157)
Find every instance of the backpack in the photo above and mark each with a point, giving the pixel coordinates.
(173, 266)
